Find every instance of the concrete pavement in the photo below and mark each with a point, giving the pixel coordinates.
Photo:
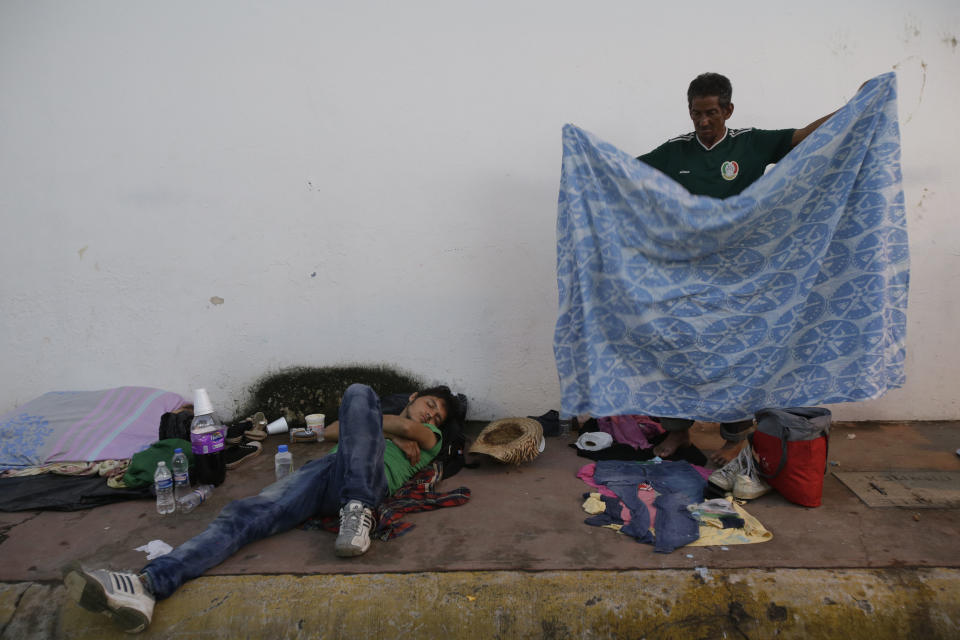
(517, 562)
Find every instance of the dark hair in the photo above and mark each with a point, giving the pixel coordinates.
(455, 409)
(710, 84)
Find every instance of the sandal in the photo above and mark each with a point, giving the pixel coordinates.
(237, 455)
(258, 430)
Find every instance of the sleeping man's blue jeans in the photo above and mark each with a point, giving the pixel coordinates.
(320, 487)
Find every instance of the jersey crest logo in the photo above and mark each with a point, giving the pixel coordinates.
(729, 170)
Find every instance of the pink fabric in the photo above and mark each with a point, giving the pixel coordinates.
(633, 430)
(586, 474)
(646, 496)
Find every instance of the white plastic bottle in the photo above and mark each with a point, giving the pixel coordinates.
(181, 474)
(193, 499)
(283, 462)
(163, 482)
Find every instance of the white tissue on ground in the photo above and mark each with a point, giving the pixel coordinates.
(155, 549)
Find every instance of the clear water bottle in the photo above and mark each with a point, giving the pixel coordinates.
(163, 482)
(283, 462)
(207, 436)
(193, 499)
(181, 474)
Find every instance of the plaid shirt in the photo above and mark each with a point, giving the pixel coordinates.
(417, 494)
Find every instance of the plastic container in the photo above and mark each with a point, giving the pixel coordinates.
(193, 499)
(315, 422)
(163, 483)
(283, 462)
(207, 436)
(180, 467)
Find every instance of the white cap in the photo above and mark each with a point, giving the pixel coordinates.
(594, 441)
(201, 403)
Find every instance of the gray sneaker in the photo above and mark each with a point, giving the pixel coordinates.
(356, 521)
(119, 596)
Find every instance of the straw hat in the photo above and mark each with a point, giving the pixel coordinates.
(513, 440)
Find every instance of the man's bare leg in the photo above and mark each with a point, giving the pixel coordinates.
(674, 440)
(726, 453)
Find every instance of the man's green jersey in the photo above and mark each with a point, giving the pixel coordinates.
(725, 169)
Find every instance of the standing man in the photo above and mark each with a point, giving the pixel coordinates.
(715, 161)
(375, 455)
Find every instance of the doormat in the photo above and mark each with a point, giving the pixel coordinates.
(913, 489)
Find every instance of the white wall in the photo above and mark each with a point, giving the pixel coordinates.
(377, 181)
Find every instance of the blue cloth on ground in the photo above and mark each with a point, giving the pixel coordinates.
(792, 293)
(677, 484)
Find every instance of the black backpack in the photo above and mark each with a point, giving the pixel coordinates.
(175, 425)
(451, 456)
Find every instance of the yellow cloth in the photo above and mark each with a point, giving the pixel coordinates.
(752, 532)
(594, 505)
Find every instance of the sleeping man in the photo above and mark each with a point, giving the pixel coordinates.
(375, 455)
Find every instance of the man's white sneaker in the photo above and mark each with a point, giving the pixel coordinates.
(120, 596)
(748, 487)
(747, 483)
(356, 521)
(726, 476)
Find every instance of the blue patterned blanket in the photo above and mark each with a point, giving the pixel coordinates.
(792, 293)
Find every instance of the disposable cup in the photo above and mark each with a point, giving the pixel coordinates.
(201, 402)
(278, 426)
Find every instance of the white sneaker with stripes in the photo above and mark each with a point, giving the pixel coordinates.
(120, 596)
(356, 521)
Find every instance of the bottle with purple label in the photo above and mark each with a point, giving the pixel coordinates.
(207, 437)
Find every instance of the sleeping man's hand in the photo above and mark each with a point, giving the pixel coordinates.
(410, 448)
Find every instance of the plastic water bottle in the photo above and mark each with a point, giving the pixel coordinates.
(283, 462)
(192, 500)
(181, 474)
(207, 437)
(163, 482)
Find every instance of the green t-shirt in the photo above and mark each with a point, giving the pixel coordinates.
(727, 168)
(396, 465)
(399, 469)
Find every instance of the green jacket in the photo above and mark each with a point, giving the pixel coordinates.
(144, 464)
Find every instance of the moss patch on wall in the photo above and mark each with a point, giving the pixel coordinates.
(299, 391)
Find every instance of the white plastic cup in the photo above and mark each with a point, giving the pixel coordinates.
(278, 426)
(201, 402)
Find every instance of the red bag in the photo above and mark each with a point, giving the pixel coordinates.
(791, 447)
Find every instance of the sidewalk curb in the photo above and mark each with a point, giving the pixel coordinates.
(873, 604)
